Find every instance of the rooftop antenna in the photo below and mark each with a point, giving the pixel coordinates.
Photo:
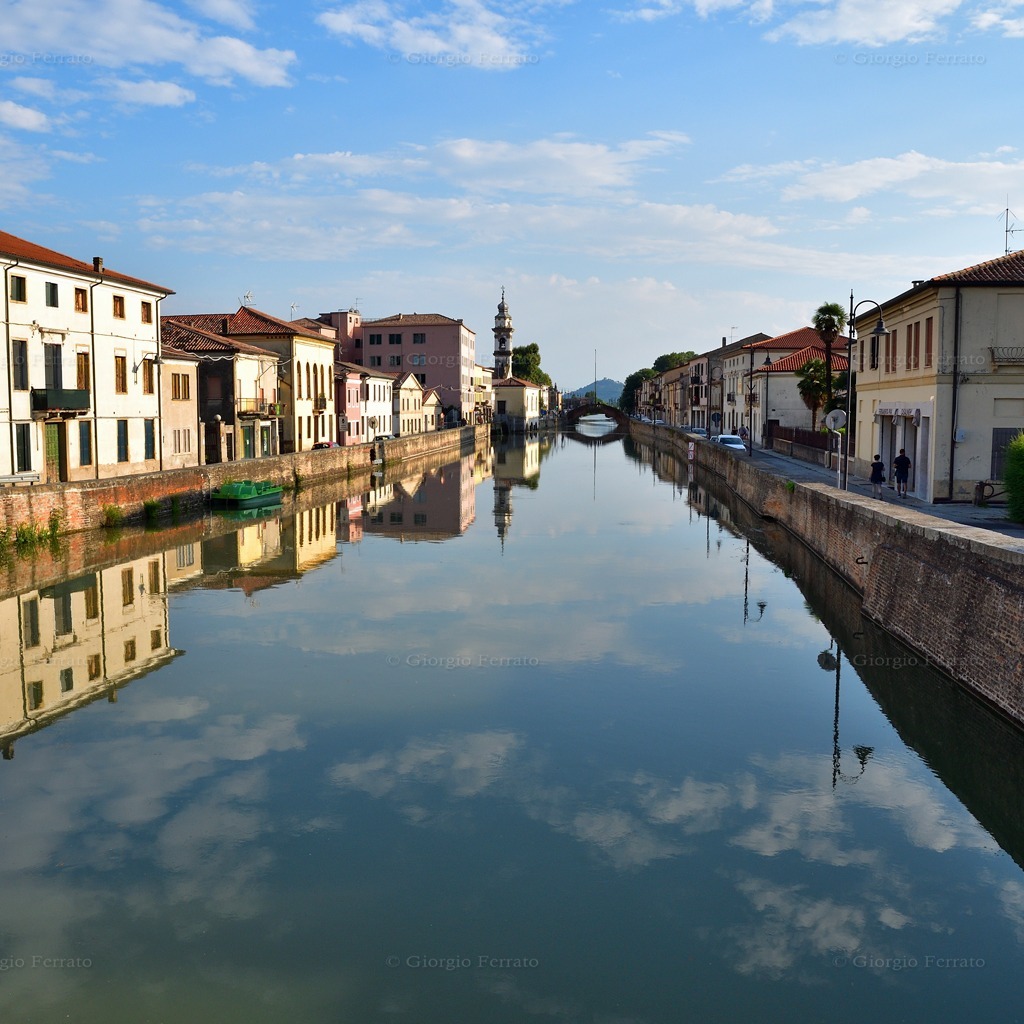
(294, 306)
(246, 299)
(1009, 228)
(732, 334)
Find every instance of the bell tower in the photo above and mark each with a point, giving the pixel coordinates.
(503, 331)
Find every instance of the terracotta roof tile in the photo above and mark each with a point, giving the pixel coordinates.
(793, 362)
(1007, 269)
(181, 332)
(19, 248)
(412, 320)
(800, 338)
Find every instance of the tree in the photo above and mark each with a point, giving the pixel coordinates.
(1013, 478)
(627, 400)
(526, 364)
(828, 322)
(814, 386)
(670, 360)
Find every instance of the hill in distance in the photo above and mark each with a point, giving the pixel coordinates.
(607, 390)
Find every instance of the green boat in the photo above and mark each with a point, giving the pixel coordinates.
(247, 494)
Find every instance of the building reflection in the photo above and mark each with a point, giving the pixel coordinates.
(71, 643)
(516, 464)
(423, 506)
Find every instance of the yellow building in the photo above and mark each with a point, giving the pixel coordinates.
(947, 381)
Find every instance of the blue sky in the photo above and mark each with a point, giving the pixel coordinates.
(641, 177)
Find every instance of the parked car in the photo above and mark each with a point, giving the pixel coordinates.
(386, 437)
(325, 444)
(699, 431)
(733, 441)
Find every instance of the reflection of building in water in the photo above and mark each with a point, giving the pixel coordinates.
(350, 520)
(426, 506)
(516, 464)
(66, 645)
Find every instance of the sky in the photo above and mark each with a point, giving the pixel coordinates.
(641, 176)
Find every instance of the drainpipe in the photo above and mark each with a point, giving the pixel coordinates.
(956, 389)
(160, 388)
(10, 384)
(97, 265)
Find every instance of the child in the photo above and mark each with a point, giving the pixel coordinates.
(877, 476)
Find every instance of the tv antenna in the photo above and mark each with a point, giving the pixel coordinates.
(1010, 227)
(246, 299)
(294, 306)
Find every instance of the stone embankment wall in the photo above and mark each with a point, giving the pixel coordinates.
(81, 505)
(953, 593)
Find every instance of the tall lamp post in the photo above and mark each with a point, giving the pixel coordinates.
(877, 334)
(750, 404)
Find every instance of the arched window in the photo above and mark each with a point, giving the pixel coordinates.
(298, 380)
(309, 392)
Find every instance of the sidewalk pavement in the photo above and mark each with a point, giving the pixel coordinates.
(992, 517)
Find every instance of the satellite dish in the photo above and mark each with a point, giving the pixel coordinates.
(836, 419)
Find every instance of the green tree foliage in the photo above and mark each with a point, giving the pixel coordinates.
(828, 322)
(815, 386)
(672, 359)
(1013, 478)
(526, 364)
(627, 400)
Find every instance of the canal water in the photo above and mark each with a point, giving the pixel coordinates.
(553, 733)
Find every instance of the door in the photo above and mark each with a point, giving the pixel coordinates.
(248, 446)
(56, 451)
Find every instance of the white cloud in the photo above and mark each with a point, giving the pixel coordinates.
(125, 33)
(236, 13)
(471, 32)
(997, 18)
(14, 115)
(868, 22)
(150, 94)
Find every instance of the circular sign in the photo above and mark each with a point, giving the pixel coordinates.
(836, 419)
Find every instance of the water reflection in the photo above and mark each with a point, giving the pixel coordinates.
(615, 747)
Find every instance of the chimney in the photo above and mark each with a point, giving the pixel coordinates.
(97, 264)
(723, 343)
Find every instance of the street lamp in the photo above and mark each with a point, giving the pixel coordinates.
(879, 332)
(764, 425)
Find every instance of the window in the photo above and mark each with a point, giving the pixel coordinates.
(375, 339)
(156, 639)
(358, 343)
(62, 623)
(928, 341)
(154, 576)
(81, 300)
(52, 356)
(34, 693)
(93, 666)
(30, 622)
(84, 443)
(92, 603)
(19, 292)
(419, 339)
(51, 294)
(375, 360)
(150, 435)
(298, 380)
(147, 312)
(916, 351)
(1001, 437)
(122, 440)
(422, 378)
(181, 389)
(19, 352)
(129, 650)
(127, 588)
(394, 360)
(118, 307)
(185, 555)
(147, 376)
(67, 680)
(23, 442)
(121, 374)
(394, 339)
(82, 371)
(419, 518)
(909, 345)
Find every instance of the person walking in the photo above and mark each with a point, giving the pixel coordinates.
(877, 477)
(901, 471)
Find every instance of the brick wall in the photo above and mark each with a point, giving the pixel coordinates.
(81, 504)
(954, 593)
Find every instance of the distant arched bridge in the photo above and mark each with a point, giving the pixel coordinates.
(597, 409)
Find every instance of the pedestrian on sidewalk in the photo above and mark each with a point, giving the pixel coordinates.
(901, 470)
(877, 476)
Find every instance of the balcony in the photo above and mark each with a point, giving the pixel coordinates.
(60, 401)
(1007, 354)
(257, 407)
